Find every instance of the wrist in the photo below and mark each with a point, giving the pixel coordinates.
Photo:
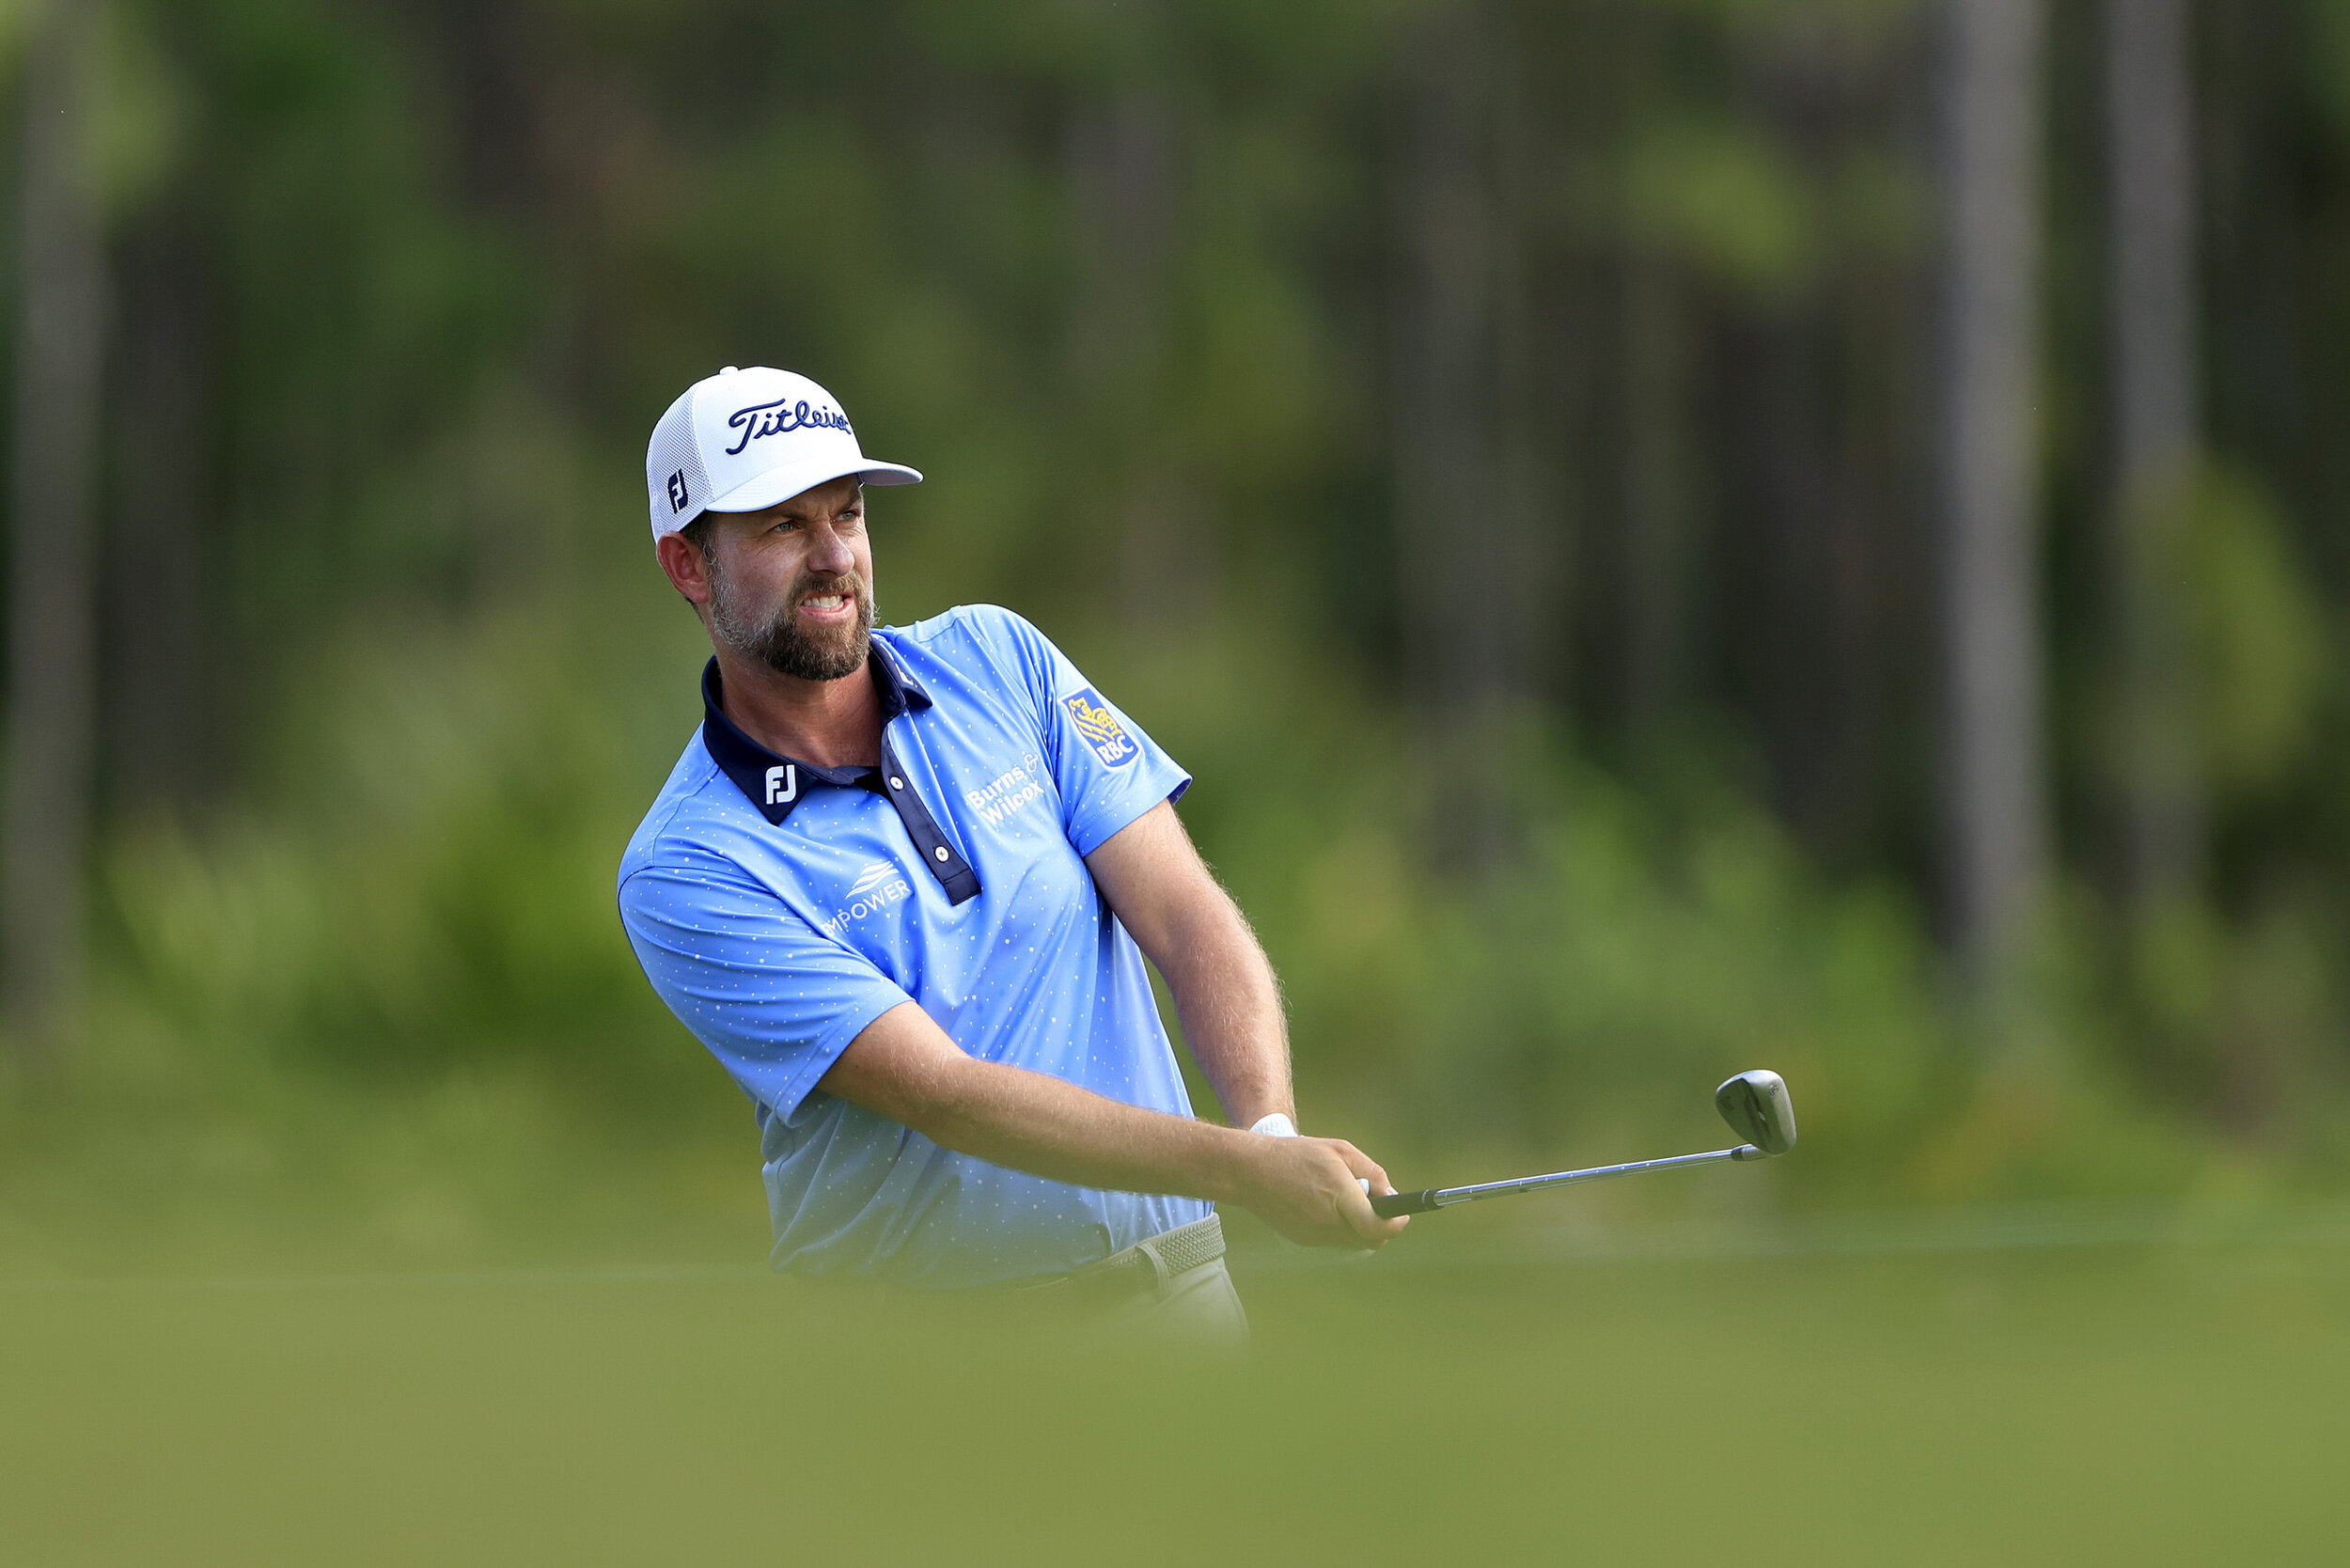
(1240, 1173)
(1248, 1107)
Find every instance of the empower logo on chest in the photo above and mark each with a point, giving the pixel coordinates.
(1101, 728)
(878, 886)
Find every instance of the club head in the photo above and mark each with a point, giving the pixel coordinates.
(1758, 1110)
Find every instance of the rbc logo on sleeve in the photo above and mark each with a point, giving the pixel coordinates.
(1101, 728)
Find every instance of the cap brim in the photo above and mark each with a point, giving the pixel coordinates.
(789, 479)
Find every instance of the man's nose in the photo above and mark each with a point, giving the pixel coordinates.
(830, 552)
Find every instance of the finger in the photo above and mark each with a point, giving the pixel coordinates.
(1364, 1166)
(1368, 1227)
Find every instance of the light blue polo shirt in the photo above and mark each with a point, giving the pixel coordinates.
(780, 908)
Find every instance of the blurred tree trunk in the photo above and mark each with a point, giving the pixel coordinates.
(1126, 152)
(1529, 643)
(60, 329)
(2150, 113)
(1994, 785)
(1455, 592)
(1652, 447)
(1655, 545)
(162, 749)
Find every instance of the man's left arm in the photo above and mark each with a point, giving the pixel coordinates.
(1188, 925)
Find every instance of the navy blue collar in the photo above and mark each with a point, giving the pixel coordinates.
(776, 783)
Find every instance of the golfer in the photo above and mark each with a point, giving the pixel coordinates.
(902, 884)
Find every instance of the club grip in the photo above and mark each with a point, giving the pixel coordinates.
(1387, 1205)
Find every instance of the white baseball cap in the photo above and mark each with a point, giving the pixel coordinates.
(747, 438)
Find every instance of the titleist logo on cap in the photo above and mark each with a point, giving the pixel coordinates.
(780, 416)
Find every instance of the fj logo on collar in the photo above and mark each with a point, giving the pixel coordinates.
(1101, 728)
(678, 497)
(783, 785)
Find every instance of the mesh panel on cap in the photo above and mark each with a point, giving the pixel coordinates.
(675, 486)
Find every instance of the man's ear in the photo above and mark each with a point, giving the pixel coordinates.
(687, 572)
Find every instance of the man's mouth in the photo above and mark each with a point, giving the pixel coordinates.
(827, 604)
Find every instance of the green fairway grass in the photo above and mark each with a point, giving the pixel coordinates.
(2013, 1391)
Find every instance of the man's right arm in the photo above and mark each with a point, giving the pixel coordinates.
(904, 1066)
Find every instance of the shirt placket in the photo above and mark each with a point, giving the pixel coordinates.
(955, 875)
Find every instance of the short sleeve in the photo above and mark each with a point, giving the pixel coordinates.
(1108, 770)
(776, 1002)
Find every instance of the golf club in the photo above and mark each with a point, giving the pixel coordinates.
(1754, 1104)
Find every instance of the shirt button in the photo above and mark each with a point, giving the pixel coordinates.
(897, 783)
(940, 851)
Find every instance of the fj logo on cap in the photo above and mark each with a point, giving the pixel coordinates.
(1101, 728)
(783, 785)
(678, 497)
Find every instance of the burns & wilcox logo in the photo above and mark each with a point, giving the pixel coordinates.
(1101, 728)
(1001, 796)
(876, 887)
(782, 416)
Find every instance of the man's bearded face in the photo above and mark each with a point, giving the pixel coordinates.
(773, 635)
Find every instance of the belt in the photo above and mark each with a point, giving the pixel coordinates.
(1146, 1268)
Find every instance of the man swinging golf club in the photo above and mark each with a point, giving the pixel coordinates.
(902, 884)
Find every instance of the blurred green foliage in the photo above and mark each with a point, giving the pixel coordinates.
(398, 998)
(364, 980)
(2259, 633)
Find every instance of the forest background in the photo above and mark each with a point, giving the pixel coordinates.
(1674, 535)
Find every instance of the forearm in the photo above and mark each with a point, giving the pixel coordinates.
(1231, 1007)
(1030, 1122)
(1189, 927)
(904, 1066)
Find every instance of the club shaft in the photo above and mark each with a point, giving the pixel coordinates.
(1444, 1197)
(1447, 1197)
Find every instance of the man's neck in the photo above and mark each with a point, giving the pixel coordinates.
(833, 724)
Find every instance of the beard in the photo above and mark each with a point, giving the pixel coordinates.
(775, 637)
